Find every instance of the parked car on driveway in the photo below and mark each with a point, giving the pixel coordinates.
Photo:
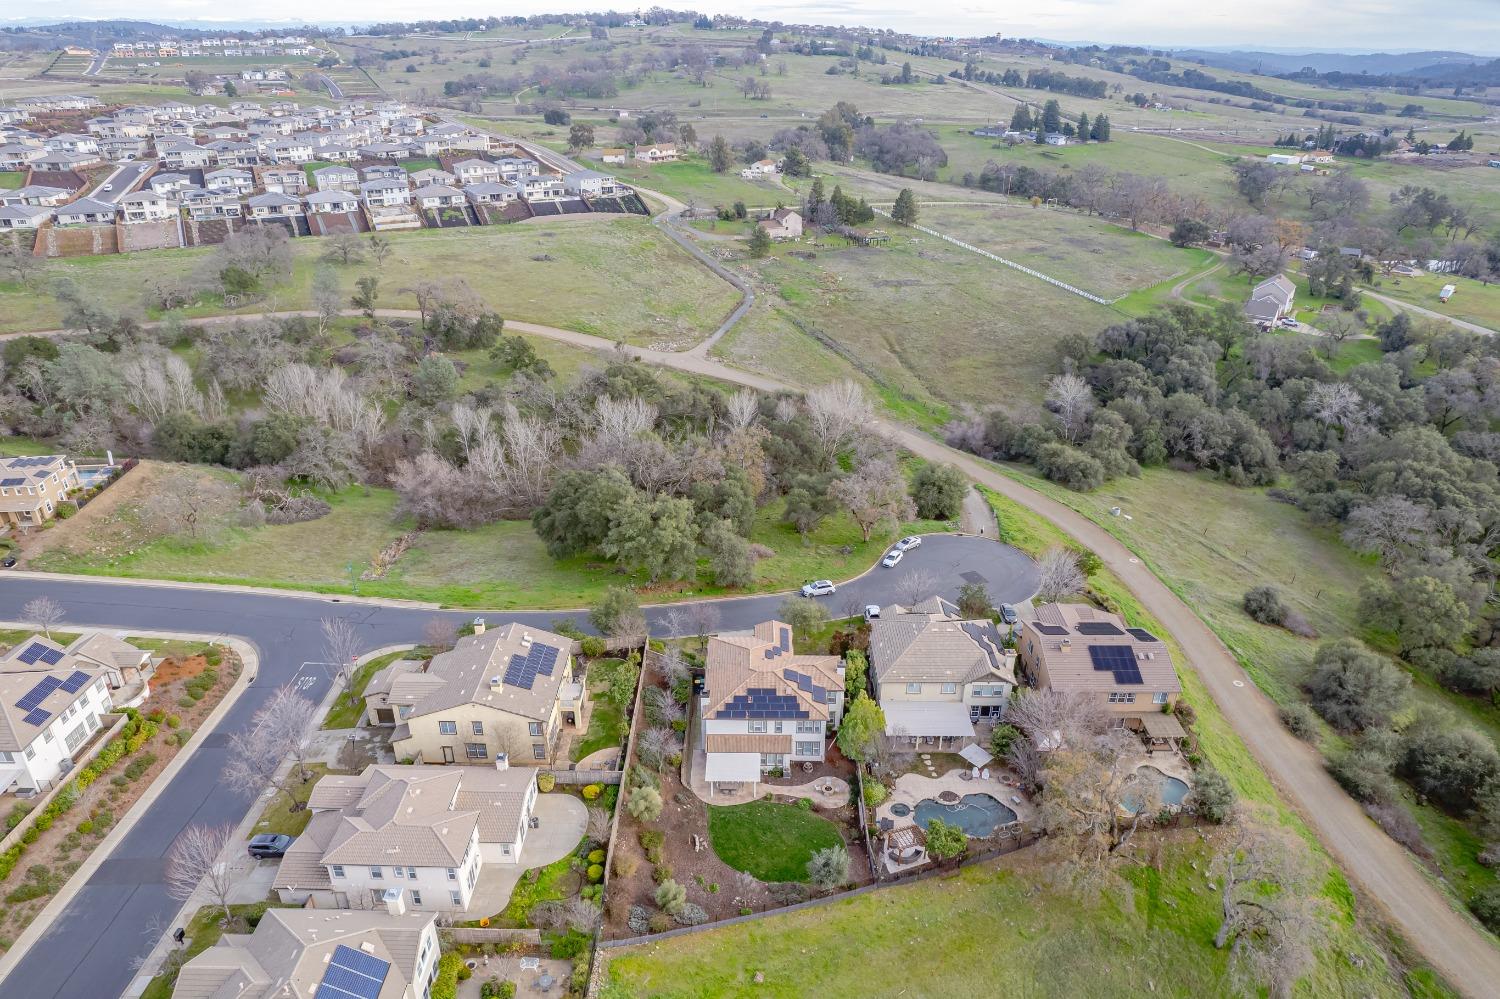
(872, 612)
(1008, 614)
(893, 559)
(269, 845)
(907, 544)
(819, 588)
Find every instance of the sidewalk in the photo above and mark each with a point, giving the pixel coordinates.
(43, 921)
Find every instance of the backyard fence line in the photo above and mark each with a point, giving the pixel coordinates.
(1025, 840)
(493, 934)
(586, 776)
(1071, 289)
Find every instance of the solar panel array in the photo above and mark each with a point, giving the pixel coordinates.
(29, 462)
(36, 652)
(805, 684)
(522, 670)
(1142, 634)
(762, 702)
(36, 716)
(352, 974)
(39, 693)
(987, 638)
(12, 482)
(76, 681)
(1097, 628)
(1117, 659)
(1051, 629)
(783, 644)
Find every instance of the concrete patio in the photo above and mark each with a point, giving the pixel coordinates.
(509, 969)
(562, 820)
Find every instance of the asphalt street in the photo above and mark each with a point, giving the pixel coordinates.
(116, 918)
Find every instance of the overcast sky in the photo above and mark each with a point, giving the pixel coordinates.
(1309, 25)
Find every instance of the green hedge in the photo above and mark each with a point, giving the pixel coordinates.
(446, 984)
(133, 735)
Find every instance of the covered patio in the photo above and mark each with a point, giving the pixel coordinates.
(930, 723)
(1159, 731)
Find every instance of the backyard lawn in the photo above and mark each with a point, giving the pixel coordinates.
(553, 883)
(769, 840)
(607, 725)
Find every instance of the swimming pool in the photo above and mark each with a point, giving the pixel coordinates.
(978, 815)
(1173, 791)
(94, 475)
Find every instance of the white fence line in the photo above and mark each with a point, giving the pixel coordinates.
(1012, 264)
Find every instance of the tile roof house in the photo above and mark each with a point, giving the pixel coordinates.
(507, 690)
(935, 673)
(1074, 647)
(87, 211)
(1271, 299)
(491, 193)
(147, 206)
(336, 178)
(273, 206)
(764, 707)
(311, 953)
(782, 224)
(32, 486)
(425, 831)
(51, 703)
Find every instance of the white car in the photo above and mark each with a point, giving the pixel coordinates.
(107, 187)
(819, 588)
(907, 544)
(872, 612)
(893, 559)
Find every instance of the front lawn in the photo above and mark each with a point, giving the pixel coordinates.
(349, 709)
(769, 840)
(279, 817)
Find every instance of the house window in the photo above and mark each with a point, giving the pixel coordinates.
(778, 728)
(476, 750)
(47, 736)
(400, 872)
(30, 752)
(833, 697)
(809, 727)
(411, 872)
(447, 728)
(338, 870)
(539, 752)
(505, 849)
(913, 688)
(416, 898)
(809, 748)
(950, 688)
(455, 898)
(452, 874)
(477, 728)
(375, 873)
(756, 726)
(1159, 698)
(533, 728)
(1117, 697)
(7, 757)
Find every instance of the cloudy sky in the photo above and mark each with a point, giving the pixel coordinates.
(1316, 25)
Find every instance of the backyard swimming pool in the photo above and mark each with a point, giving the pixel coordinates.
(94, 475)
(978, 815)
(1173, 791)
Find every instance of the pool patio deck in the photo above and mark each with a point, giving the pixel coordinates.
(913, 788)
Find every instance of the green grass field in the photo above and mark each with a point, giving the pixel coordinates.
(349, 707)
(769, 840)
(1472, 300)
(12, 179)
(692, 181)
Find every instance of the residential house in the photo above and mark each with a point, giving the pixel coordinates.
(591, 184)
(384, 171)
(171, 184)
(37, 194)
(124, 665)
(1075, 648)
(204, 205)
(1270, 300)
(1055, 139)
(761, 168)
(764, 707)
(87, 211)
(387, 151)
(424, 831)
(273, 206)
(17, 156)
(660, 153)
(508, 690)
(336, 178)
(289, 151)
(71, 142)
(1284, 159)
(935, 673)
(331, 203)
(476, 171)
(422, 178)
(615, 155)
(283, 180)
(229, 181)
(147, 206)
(24, 216)
(491, 193)
(381, 954)
(385, 193)
(58, 162)
(517, 168)
(51, 703)
(436, 196)
(548, 188)
(782, 224)
(240, 154)
(186, 156)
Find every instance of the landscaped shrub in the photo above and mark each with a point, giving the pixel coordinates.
(596, 872)
(137, 767)
(65, 509)
(1301, 721)
(625, 864)
(1399, 826)
(805, 804)
(545, 782)
(661, 873)
(494, 988)
(670, 896)
(645, 804)
(659, 922)
(566, 946)
(592, 646)
(446, 984)
(829, 868)
(690, 914)
(174, 721)
(875, 793)
(592, 791)
(465, 972)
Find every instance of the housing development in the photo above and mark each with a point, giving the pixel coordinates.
(678, 504)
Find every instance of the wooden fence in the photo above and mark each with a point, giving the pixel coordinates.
(478, 935)
(587, 776)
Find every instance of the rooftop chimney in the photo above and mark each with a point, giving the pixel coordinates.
(395, 901)
(479, 626)
(502, 761)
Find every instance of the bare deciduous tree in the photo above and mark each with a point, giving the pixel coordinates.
(703, 619)
(43, 613)
(742, 409)
(655, 745)
(1072, 400)
(1052, 717)
(1389, 526)
(1058, 575)
(597, 828)
(837, 412)
(159, 386)
(917, 585)
(440, 633)
(280, 728)
(1273, 913)
(342, 645)
(873, 493)
(196, 860)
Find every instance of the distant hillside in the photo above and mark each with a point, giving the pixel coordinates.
(1377, 64)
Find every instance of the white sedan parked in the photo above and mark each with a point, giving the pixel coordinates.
(893, 559)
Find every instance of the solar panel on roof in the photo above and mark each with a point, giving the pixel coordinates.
(1117, 659)
(37, 716)
(1051, 629)
(74, 683)
(12, 482)
(1097, 628)
(785, 641)
(352, 974)
(50, 656)
(31, 653)
(1142, 634)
